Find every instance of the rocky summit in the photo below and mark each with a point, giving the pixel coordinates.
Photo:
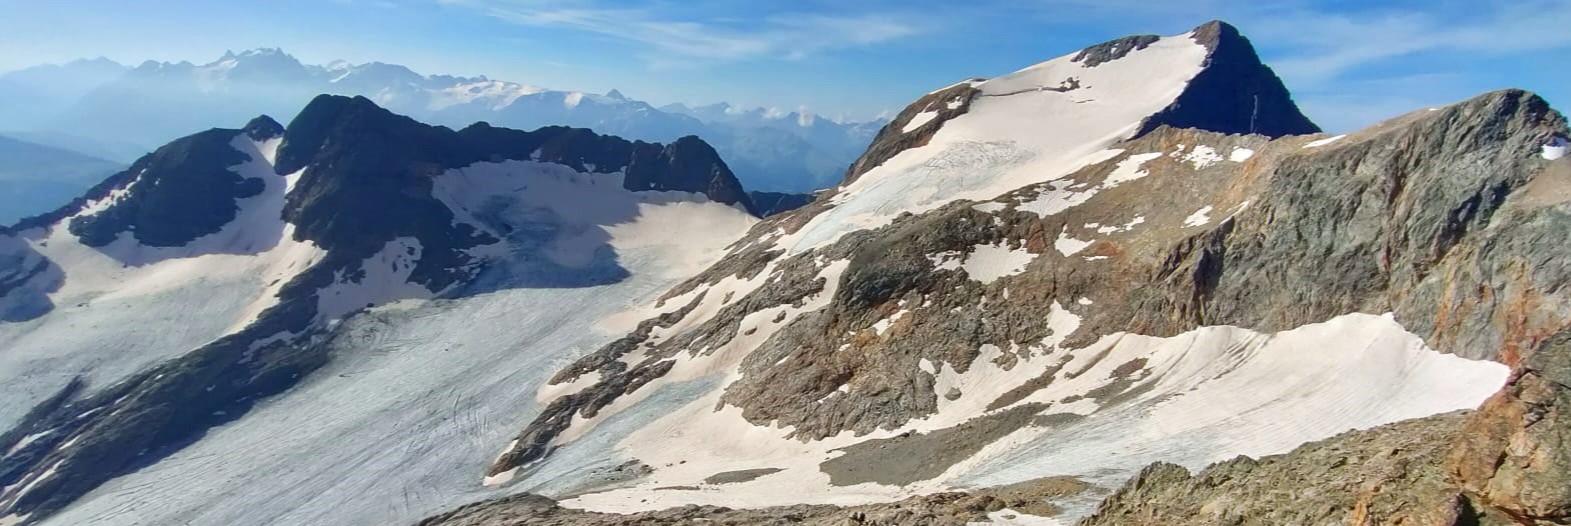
(1130, 285)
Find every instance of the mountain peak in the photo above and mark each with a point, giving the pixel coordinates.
(262, 128)
(1233, 93)
(1216, 33)
(614, 94)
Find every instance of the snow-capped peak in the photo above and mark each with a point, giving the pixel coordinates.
(988, 137)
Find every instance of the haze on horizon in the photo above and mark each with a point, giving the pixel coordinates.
(1347, 63)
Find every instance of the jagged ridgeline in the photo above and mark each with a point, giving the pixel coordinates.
(1046, 297)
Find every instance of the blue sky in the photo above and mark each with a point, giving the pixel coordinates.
(1349, 63)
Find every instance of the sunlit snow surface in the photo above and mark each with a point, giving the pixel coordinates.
(992, 148)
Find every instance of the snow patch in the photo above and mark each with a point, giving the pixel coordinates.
(1323, 142)
(1239, 155)
(1069, 246)
(1129, 169)
(883, 325)
(1009, 517)
(989, 207)
(1200, 156)
(985, 263)
(918, 120)
(1200, 217)
(1555, 148)
(29, 439)
(381, 278)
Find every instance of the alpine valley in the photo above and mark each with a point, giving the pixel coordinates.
(1131, 285)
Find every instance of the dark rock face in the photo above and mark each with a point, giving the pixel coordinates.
(771, 203)
(367, 181)
(26, 279)
(1113, 49)
(1514, 454)
(174, 195)
(1388, 475)
(1235, 93)
(263, 128)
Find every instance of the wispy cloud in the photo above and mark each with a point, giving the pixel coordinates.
(674, 40)
(1323, 46)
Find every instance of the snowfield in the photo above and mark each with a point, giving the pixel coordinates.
(1210, 394)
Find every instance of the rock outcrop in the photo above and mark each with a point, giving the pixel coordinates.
(1393, 474)
(939, 509)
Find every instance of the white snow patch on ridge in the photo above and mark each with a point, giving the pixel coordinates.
(986, 263)
(1069, 246)
(588, 212)
(1200, 156)
(1323, 142)
(1200, 217)
(1129, 169)
(918, 120)
(1555, 148)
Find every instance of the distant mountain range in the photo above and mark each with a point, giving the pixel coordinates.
(119, 112)
(35, 178)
